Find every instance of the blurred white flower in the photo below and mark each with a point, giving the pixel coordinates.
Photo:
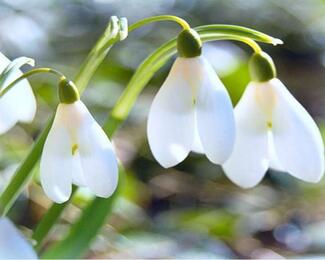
(12, 243)
(18, 26)
(77, 151)
(18, 104)
(225, 58)
(274, 128)
(192, 111)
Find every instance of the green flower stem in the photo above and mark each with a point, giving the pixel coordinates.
(77, 241)
(50, 217)
(239, 31)
(92, 62)
(28, 74)
(159, 18)
(24, 172)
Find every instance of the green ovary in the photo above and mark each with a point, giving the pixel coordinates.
(74, 149)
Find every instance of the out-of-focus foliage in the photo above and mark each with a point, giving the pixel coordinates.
(191, 210)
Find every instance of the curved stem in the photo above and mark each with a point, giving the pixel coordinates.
(256, 48)
(158, 18)
(28, 74)
(239, 31)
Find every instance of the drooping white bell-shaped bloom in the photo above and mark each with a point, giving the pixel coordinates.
(12, 243)
(77, 151)
(18, 104)
(191, 112)
(273, 129)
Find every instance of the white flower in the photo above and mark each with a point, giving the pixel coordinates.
(191, 112)
(272, 127)
(77, 151)
(18, 104)
(12, 243)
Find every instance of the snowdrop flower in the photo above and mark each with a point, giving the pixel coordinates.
(192, 110)
(18, 104)
(77, 151)
(12, 243)
(273, 130)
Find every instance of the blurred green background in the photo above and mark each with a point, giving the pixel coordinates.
(192, 210)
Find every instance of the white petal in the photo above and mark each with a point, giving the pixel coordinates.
(215, 118)
(275, 164)
(12, 243)
(77, 174)
(197, 145)
(18, 104)
(297, 140)
(98, 160)
(171, 118)
(249, 160)
(57, 161)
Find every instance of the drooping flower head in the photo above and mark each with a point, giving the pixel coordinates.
(77, 151)
(192, 110)
(12, 243)
(18, 104)
(273, 130)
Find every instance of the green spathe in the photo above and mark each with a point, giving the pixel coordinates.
(189, 44)
(68, 92)
(261, 67)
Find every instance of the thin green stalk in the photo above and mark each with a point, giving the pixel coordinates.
(28, 74)
(239, 31)
(13, 66)
(50, 217)
(24, 172)
(92, 62)
(159, 18)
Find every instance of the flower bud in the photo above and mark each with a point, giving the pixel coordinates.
(68, 92)
(189, 44)
(261, 67)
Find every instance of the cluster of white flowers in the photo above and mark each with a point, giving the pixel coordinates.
(77, 150)
(191, 112)
(268, 128)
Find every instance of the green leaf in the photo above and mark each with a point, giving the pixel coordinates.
(77, 241)
(48, 220)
